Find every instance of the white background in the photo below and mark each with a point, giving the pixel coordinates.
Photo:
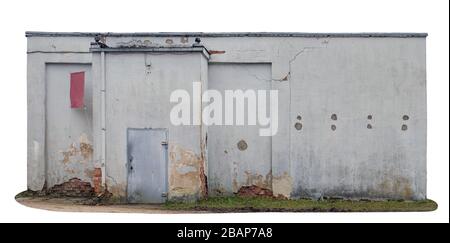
(16, 17)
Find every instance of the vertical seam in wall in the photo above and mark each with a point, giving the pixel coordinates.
(289, 119)
(45, 128)
(103, 116)
(271, 130)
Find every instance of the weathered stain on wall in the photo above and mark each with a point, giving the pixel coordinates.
(186, 173)
(76, 162)
(135, 43)
(396, 187)
(80, 152)
(282, 185)
(254, 179)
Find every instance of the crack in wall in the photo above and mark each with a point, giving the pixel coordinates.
(292, 60)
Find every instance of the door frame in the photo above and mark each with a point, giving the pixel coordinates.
(166, 159)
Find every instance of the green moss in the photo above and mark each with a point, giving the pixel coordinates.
(265, 204)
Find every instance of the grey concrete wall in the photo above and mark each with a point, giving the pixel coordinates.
(363, 157)
(350, 76)
(237, 155)
(37, 111)
(68, 135)
(138, 88)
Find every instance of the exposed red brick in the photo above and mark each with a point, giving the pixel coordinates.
(73, 188)
(254, 191)
(97, 180)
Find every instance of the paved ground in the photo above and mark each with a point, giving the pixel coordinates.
(76, 205)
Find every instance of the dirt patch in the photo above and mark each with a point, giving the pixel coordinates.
(87, 205)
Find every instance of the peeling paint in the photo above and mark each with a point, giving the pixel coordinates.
(82, 153)
(186, 182)
(86, 150)
(253, 179)
(134, 43)
(282, 185)
(71, 151)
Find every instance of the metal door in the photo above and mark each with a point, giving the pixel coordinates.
(147, 165)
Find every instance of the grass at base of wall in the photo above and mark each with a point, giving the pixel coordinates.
(266, 204)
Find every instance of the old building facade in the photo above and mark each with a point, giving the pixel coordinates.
(351, 115)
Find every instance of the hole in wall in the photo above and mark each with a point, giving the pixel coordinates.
(242, 145)
(298, 126)
(334, 117)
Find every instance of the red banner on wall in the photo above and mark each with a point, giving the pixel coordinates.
(77, 90)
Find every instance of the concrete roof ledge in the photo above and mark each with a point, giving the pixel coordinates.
(179, 49)
(228, 34)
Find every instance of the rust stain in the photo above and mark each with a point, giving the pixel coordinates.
(212, 52)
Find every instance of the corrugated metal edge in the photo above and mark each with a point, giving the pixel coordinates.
(224, 34)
